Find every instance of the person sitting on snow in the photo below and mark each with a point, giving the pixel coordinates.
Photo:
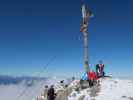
(100, 69)
(84, 80)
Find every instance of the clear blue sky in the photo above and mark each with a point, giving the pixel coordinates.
(33, 31)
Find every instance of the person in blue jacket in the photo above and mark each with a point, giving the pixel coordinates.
(85, 77)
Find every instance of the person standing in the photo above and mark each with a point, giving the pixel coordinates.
(51, 93)
(100, 69)
(45, 92)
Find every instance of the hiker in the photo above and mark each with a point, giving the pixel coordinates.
(45, 91)
(63, 94)
(100, 69)
(92, 78)
(73, 78)
(85, 77)
(66, 92)
(51, 93)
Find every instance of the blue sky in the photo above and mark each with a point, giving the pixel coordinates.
(33, 31)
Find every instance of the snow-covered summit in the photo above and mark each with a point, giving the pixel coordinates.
(109, 89)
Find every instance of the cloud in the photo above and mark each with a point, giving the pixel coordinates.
(25, 89)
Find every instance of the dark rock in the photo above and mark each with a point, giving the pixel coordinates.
(124, 96)
(130, 98)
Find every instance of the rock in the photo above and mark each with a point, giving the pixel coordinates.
(124, 96)
(130, 98)
(82, 97)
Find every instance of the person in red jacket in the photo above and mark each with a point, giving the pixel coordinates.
(94, 75)
(92, 78)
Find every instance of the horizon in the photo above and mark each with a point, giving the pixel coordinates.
(4, 77)
(33, 32)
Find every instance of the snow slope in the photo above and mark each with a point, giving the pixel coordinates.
(109, 89)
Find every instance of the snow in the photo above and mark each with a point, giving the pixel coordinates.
(115, 89)
(109, 89)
